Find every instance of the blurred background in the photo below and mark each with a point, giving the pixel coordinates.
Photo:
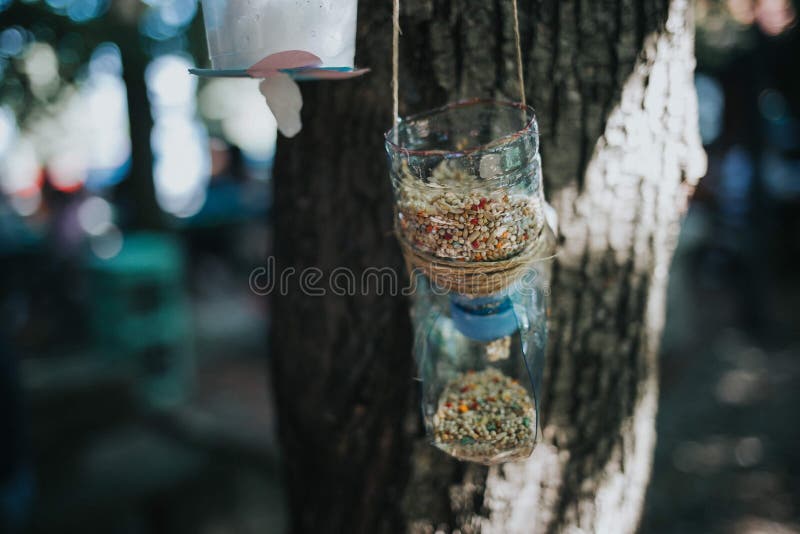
(173, 430)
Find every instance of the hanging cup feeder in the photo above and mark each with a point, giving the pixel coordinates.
(259, 38)
(281, 41)
(470, 217)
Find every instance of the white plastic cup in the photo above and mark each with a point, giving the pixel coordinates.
(242, 32)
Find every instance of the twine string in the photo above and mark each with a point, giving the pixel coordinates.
(395, 63)
(477, 278)
(520, 73)
(396, 58)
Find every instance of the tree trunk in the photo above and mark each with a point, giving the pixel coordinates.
(612, 85)
(139, 189)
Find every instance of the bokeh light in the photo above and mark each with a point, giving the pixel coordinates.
(109, 132)
(79, 10)
(711, 104)
(41, 67)
(84, 10)
(107, 244)
(95, 216)
(66, 170)
(27, 204)
(8, 130)
(106, 59)
(244, 118)
(178, 13)
(166, 19)
(20, 172)
(84, 138)
(182, 163)
(742, 11)
(774, 16)
(12, 41)
(170, 87)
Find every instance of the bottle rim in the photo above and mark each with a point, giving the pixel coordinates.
(530, 127)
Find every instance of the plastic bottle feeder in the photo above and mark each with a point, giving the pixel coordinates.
(302, 38)
(470, 217)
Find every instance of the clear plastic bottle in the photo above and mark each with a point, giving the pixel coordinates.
(481, 362)
(467, 184)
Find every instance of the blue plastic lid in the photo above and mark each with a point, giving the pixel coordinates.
(483, 318)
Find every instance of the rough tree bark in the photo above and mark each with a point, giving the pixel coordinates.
(612, 85)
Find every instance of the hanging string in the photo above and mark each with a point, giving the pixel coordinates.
(396, 58)
(395, 61)
(520, 74)
(478, 278)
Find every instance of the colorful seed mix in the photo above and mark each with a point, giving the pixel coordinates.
(485, 417)
(479, 223)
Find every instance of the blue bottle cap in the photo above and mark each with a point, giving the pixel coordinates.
(483, 318)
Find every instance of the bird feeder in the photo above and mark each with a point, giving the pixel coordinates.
(280, 41)
(470, 217)
(258, 38)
